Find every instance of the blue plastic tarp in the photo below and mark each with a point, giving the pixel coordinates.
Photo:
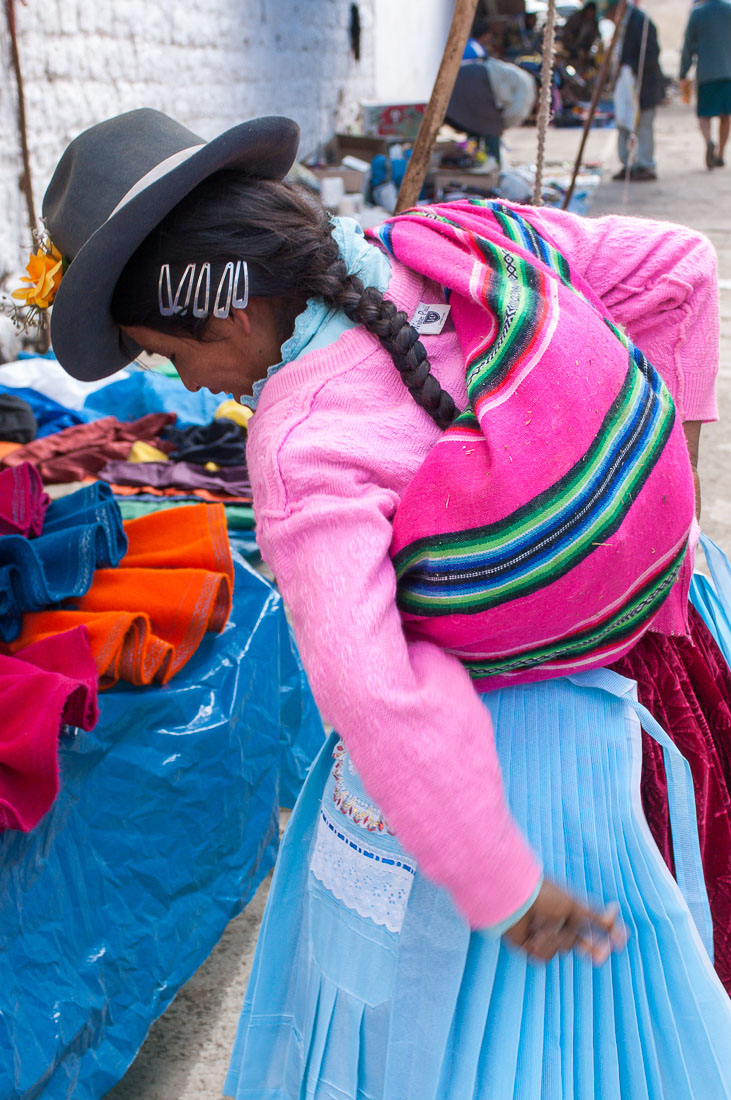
(166, 822)
(50, 416)
(149, 392)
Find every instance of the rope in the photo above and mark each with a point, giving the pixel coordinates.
(544, 103)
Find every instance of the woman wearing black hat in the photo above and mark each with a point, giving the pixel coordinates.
(368, 980)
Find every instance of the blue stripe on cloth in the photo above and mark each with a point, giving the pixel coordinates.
(482, 569)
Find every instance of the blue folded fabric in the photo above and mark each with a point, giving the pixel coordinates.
(82, 532)
(52, 417)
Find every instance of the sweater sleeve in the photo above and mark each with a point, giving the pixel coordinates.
(689, 49)
(418, 733)
(659, 281)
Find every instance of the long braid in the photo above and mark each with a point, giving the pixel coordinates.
(368, 307)
(285, 235)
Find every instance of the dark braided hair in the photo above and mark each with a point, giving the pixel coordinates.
(285, 236)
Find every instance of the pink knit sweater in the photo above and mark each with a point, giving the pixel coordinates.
(335, 439)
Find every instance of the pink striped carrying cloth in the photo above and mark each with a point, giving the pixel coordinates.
(550, 522)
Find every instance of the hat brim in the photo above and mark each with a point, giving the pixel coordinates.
(84, 337)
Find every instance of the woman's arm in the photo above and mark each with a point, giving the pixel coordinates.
(658, 281)
(418, 733)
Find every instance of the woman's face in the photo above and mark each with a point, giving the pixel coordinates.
(235, 351)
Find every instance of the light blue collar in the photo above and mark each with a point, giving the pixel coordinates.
(320, 325)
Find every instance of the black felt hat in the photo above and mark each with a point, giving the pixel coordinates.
(112, 186)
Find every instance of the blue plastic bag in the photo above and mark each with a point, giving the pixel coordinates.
(50, 415)
(712, 598)
(148, 392)
(166, 822)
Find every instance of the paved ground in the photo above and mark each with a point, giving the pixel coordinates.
(186, 1054)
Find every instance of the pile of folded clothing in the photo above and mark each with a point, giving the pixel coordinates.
(85, 601)
(156, 444)
(146, 617)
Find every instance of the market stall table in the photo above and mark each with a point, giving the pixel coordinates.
(166, 822)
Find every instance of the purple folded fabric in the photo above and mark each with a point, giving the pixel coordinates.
(22, 501)
(233, 480)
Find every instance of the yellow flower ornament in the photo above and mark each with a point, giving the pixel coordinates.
(45, 271)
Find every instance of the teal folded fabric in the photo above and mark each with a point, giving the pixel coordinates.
(81, 532)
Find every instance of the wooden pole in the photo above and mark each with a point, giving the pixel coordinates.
(413, 181)
(22, 127)
(43, 337)
(598, 88)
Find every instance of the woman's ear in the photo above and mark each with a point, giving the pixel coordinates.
(241, 318)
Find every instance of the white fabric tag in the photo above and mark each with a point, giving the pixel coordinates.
(429, 320)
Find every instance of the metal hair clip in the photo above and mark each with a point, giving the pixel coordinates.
(198, 310)
(174, 304)
(228, 285)
(241, 302)
(230, 281)
(165, 310)
(226, 278)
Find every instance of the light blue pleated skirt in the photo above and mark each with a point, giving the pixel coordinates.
(367, 984)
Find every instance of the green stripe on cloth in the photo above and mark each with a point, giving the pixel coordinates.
(239, 517)
(627, 620)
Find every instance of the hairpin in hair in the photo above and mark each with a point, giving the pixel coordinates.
(228, 295)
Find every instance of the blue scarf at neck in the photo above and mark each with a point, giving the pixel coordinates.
(320, 325)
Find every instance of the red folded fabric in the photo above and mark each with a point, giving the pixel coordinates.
(51, 684)
(22, 501)
(80, 451)
(200, 494)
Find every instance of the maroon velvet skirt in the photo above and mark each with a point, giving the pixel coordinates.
(685, 683)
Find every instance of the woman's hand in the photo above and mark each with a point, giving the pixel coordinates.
(556, 923)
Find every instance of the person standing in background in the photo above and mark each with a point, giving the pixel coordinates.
(640, 52)
(708, 43)
(480, 41)
(579, 33)
(490, 96)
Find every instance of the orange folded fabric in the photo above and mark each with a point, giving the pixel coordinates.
(146, 618)
(193, 536)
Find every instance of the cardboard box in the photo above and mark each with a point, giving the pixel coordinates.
(356, 145)
(352, 179)
(400, 121)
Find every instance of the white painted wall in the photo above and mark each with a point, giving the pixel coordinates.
(209, 63)
(409, 39)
